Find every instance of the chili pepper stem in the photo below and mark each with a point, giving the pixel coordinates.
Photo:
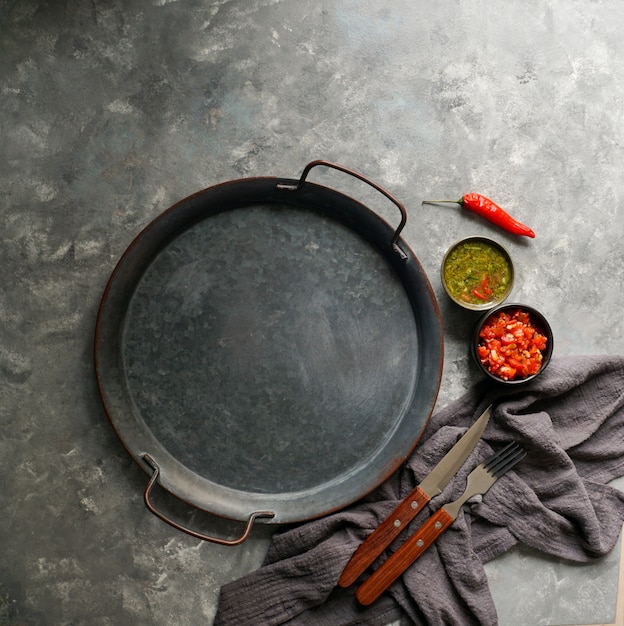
(460, 201)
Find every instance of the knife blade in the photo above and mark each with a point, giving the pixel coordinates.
(431, 486)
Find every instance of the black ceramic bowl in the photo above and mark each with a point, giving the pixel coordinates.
(487, 352)
(477, 273)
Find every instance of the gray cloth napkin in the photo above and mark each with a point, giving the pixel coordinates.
(571, 423)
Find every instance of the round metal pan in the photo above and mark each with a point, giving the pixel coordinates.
(269, 348)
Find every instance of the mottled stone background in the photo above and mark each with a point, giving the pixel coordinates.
(111, 110)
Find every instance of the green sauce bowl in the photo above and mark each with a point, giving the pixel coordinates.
(477, 273)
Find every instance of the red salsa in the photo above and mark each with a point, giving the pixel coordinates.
(510, 346)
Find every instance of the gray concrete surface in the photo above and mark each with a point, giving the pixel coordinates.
(112, 110)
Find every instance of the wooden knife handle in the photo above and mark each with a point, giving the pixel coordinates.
(383, 535)
(398, 562)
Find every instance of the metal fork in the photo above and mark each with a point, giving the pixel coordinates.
(479, 481)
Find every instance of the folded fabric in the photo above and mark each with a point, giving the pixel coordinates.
(571, 423)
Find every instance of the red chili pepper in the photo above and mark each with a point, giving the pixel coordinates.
(485, 285)
(484, 207)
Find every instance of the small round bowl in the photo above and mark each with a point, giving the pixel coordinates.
(477, 273)
(487, 354)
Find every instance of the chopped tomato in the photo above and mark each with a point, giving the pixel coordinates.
(510, 345)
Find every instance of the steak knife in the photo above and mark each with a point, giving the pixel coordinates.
(431, 486)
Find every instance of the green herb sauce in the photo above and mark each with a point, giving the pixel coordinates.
(477, 273)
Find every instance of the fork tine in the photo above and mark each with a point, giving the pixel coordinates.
(503, 453)
(504, 460)
(516, 458)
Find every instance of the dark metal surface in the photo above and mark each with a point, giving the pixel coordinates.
(265, 344)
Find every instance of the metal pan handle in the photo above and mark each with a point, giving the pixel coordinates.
(368, 181)
(224, 542)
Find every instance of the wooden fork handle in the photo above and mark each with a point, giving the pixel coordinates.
(398, 562)
(383, 536)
